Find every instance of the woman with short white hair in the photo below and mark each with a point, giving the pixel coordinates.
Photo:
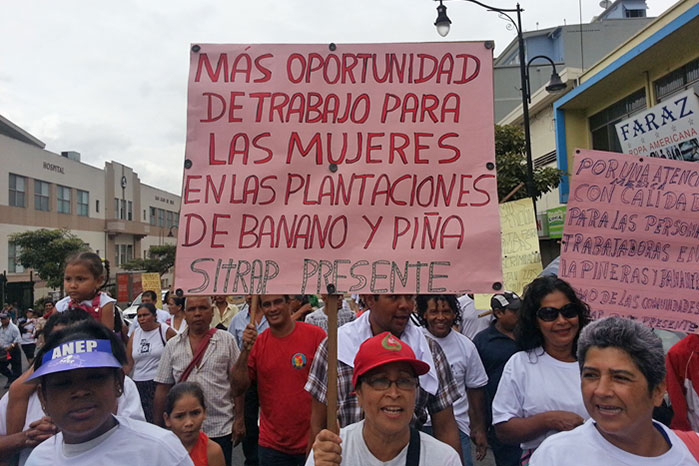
(622, 379)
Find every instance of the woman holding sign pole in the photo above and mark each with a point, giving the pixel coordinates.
(385, 380)
(539, 392)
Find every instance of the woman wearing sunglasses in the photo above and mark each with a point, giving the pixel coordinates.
(623, 380)
(539, 392)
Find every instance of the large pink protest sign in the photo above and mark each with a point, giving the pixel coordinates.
(366, 167)
(631, 238)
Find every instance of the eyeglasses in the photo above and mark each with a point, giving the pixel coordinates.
(549, 314)
(384, 383)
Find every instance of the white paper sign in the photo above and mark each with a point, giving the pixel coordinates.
(667, 131)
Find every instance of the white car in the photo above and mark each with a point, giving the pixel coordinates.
(130, 312)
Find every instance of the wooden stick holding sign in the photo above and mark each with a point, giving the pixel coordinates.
(331, 308)
(512, 193)
(254, 304)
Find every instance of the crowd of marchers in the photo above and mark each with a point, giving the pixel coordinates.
(421, 380)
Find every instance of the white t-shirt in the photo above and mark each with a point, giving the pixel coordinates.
(160, 316)
(171, 323)
(27, 336)
(132, 442)
(355, 451)
(467, 369)
(591, 449)
(128, 405)
(471, 324)
(62, 305)
(147, 348)
(533, 382)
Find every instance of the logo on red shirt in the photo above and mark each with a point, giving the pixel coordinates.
(298, 361)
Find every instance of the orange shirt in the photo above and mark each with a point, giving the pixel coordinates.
(198, 453)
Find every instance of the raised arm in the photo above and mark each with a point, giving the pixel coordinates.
(240, 378)
(18, 402)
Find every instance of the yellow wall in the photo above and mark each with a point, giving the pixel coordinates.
(641, 72)
(663, 20)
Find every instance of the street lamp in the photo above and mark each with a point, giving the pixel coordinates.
(443, 23)
(555, 84)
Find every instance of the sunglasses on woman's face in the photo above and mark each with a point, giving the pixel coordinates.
(549, 314)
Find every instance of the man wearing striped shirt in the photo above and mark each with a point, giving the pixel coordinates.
(213, 373)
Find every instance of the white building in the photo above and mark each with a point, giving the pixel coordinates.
(110, 209)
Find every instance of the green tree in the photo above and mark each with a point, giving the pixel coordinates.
(46, 251)
(511, 159)
(160, 259)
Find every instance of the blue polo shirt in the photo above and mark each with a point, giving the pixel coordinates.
(241, 320)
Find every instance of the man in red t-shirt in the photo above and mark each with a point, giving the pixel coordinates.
(279, 360)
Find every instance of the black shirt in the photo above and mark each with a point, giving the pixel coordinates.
(495, 349)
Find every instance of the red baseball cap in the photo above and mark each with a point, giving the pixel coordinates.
(381, 349)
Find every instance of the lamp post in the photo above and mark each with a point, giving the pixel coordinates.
(443, 24)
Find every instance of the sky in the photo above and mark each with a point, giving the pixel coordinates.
(108, 78)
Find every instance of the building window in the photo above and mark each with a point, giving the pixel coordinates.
(13, 265)
(97, 205)
(168, 219)
(677, 81)
(41, 195)
(17, 190)
(63, 199)
(153, 217)
(144, 215)
(124, 254)
(116, 208)
(635, 13)
(545, 160)
(161, 218)
(129, 214)
(602, 124)
(83, 203)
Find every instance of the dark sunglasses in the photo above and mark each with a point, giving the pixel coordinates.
(549, 314)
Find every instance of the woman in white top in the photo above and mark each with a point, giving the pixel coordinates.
(175, 306)
(28, 334)
(22, 417)
(79, 380)
(143, 352)
(623, 379)
(539, 392)
(385, 379)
